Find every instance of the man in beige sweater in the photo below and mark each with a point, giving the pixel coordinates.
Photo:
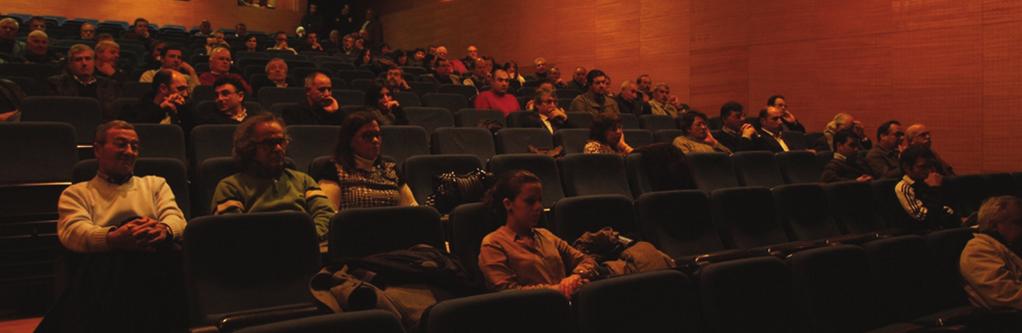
(990, 263)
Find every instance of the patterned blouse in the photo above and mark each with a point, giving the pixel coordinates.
(596, 147)
(379, 187)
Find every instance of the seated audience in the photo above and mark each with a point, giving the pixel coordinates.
(697, 138)
(240, 31)
(990, 264)
(845, 121)
(333, 42)
(264, 184)
(312, 43)
(497, 98)
(280, 39)
(788, 121)
(11, 96)
(319, 106)
(540, 68)
(359, 176)
(630, 101)
(395, 80)
(606, 136)
(770, 129)
(367, 60)
(87, 32)
(578, 79)
(220, 67)
(230, 107)
(382, 105)
(883, 157)
(471, 55)
(251, 44)
(661, 103)
(517, 80)
(122, 229)
(348, 49)
(205, 29)
(79, 80)
(547, 115)
(171, 58)
(736, 134)
(480, 76)
(554, 77)
(215, 41)
(846, 164)
(154, 54)
(919, 135)
(36, 23)
(166, 103)
(139, 32)
(444, 74)
(645, 83)
(107, 55)
(9, 42)
(37, 49)
(595, 99)
(276, 76)
(520, 255)
(919, 193)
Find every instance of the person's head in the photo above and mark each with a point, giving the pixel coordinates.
(732, 115)
(553, 74)
(36, 23)
(346, 9)
(229, 94)
(443, 67)
(334, 36)
(889, 134)
(171, 57)
(472, 52)
(359, 136)
(597, 82)
(108, 52)
(38, 42)
(220, 60)
(312, 37)
(645, 82)
(770, 119)
(441, 52)
(215, 38)
(482, 67)
(360, 43)
(917, 162)
(540, 65)
(280, 38)
(116, 147)
(516, 197)
(512, 69)
(370, 14)
(545, 101)
(8, 28)
(141, 27)
(87, 31)
(628, 91)
(662, 92)
(348, 42)
(580, 75)
(1002, 215)
(169, 81)
(606, 129)
(156, 50)
(918, 134)
(778, 102)
(693, 124)
(251, 43)
(843, 121)
(420, 55)
(104, 36)
(500, 82)
(276, 70)
(378, 95)
(547, 86)
(205, 27)
(318, 89)
(400, 57)
(240, 29)
(846, 142)
(260, 144)
(394, 73)
(81, 61)
(313, 8)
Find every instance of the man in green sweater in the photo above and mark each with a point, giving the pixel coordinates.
(264, 184)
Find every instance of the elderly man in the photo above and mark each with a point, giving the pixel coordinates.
(497, 98)
(9, 42)
(919, 135)
(319, 106)
(595, 99)
(168, 104)
(219, 67)
(87, 31)
(990, 264)
(122, 230)
(230, 107)
(37, 49)
(883, 157)
(578, 79)
(471, 54)
(107, 55)
(263, 183)
(661, 102)
(79, 80)
(645, 83)
(276, 76)
(540, 69)
(170, 58)
(630, 101)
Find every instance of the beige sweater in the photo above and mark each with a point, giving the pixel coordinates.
(89, 210)
(992, 274)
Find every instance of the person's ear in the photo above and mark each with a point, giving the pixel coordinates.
(507, 204)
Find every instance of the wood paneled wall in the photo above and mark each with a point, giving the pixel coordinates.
(221, 13)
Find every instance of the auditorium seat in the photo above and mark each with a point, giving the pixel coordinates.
(470, 117)
(575, 216)
(469, 223)
(832, 290)
(803, 211)
(311, 141)
(123, 105)
(135, 89)
(209, 141)
(534, 311)
(82, 113)
(888, 207)
(429, 118)
(207, 93)
(667, 135)
(463, 140)
(407, 98)
(747, 295)
(757, 168)
(998, 184)
(278, 109)
(572, 140)
(655, 122)
(209, 107)
(544, 167)
(519, 140)
(233, 278)
(712, 171)
(566, 93)
(413, 71)
(746, 217)
(273, 95)
(208, 174)
(796, 140)
(352, 74)
(678, 223)
(346, 96)
(468, 91)
(964, 193)
(370, 321)
(946, 248)
(402, 142)
(638, 138)
(629, 121)
(589, 174)
(520, 119)
(660, 301)
(852, 206)
(579, 119)
(422, 88)
(799, 167)
(39, 72)
(904, 277)
(37, 151)
(171, 169)
(359, 232)
(419, 171)
(638, 179)
(451, 102)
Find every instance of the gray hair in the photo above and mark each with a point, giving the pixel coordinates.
(77, 48)
(10, 21)
(997, 210)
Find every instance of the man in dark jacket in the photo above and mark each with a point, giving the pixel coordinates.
(319, 106)
(846, 164)
(79, 80)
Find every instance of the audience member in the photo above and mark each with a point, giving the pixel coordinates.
(345, 22)
(122, 229)
(251, 44)
(205, 29)
(276, 76)
(319, 107)
(9, 42)
(36, 23)
(883, 158)
(846, 164)
(166, 103)
(697, 137)
(737, 134)
(153, 58)
(263, 183)
(37, 49)
(214, 41)
(171, 58)
(770, 129)
(919, 135)
(348, 49)
(139, 32)
(521, 255)
(444, 74)
(497, 98)
(918, 191)
(645, 83)
(230, 107)
(547, 115)
(517, 80)
(606, 136)
(990, 264)
(281, 43)
(105, 36)
(312, 43)
(11, 96)
(788, 121)
(418, 59)
(661, 102)
(87, 32)
(220, 67)
(578, 79)
(240, 31)
(539, 70)
(395, 80)
(554, 77)
(371, 29)
(381, 104)
(845, 121)
(107, 55)
(79, 80)
(595, 100)
(471, 55)
(333, 43)
(313, 21)
(358, 175)
(480, 77)
(630, 101)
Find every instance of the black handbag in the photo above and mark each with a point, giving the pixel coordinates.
(451, 190)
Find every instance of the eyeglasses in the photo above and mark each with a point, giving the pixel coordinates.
(273, 143)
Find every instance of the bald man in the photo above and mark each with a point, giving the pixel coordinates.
(919, 135)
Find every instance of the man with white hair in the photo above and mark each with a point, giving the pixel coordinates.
(990, 263)
(79, 79)
(629, 100)
(9, 42)
(37, 50)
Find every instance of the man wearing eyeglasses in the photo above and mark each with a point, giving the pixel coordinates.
(919, 135)
(883, 157)
(264, 184)
(220, 66)
(169, 103)
(319, 106)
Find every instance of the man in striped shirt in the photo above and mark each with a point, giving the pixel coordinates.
(918, 191)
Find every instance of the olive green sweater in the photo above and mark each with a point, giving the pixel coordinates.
(293, 190)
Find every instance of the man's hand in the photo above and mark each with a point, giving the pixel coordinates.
(934, 179)
(709, 138)
(332, 106)
(559, 113)
(864, 178)
(122, 237)
(570, 284)
(188, 69)
(392, 104)
(788, 117)
(172, 101)
(748, 131)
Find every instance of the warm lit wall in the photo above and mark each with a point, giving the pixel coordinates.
(951, 64)
(221, 13)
